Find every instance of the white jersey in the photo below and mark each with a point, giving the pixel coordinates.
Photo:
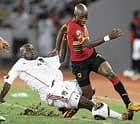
(43, 75)
(38, 73)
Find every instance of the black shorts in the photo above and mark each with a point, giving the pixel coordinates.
(82, 69)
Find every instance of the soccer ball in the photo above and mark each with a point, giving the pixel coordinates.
(101, 111)
(2, 118)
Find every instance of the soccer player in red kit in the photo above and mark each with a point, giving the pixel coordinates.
(84, 57)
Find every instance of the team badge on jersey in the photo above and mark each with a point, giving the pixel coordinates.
(79, 34)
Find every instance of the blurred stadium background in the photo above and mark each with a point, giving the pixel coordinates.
(41, 19)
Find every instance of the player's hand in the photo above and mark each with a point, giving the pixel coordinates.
(62, 66)
(115, 33)
(125, 116)
(3, 45)
(54, 52)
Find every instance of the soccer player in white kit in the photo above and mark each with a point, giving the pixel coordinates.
(42, 75)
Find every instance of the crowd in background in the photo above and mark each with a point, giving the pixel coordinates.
(134, 28)
(38, 21)
(35, 21)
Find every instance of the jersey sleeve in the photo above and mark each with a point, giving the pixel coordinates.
(12, 74)
(53, 62)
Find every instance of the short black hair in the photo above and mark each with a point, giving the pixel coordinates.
(136, 13)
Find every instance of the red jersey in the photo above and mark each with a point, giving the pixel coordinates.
(76, 35)
(135, 30)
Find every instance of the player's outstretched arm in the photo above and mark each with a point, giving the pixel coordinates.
(61, 44)
(59, 40)
(60, 36)
(3, 44)
(4, 91)
(115, 33)
(63, 49)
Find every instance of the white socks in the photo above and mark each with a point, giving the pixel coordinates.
(115, 115)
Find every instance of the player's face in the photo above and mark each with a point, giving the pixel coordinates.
(30, 53)
(82, 20)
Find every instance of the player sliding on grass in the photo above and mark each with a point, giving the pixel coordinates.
(84, 57)
(42, 74)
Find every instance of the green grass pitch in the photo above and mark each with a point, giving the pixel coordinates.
(14, 106)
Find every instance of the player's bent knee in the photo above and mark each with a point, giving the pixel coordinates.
(110, 74)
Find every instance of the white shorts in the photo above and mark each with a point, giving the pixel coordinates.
(136, 49)
(64, 94)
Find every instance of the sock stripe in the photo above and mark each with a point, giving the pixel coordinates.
(115, 80)
(125, 94)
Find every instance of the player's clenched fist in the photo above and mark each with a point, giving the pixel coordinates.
(3, 44)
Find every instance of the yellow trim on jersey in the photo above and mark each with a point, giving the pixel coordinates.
(76, 43)
(80, 41)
